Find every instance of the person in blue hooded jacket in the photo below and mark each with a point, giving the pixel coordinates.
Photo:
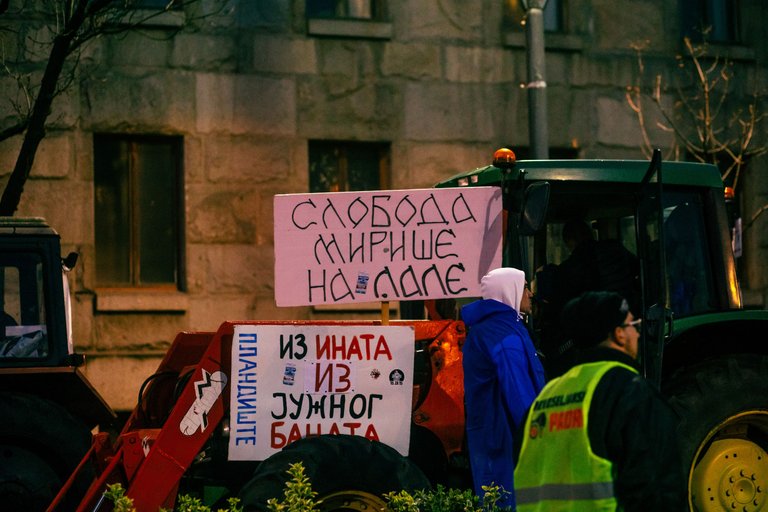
(502, 376)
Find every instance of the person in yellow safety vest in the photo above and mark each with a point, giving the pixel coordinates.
(600, 437)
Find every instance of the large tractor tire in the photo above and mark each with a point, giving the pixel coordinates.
(723, 409)
(40, 446)
(347, 472)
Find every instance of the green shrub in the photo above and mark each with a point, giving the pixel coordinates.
(116, 494)
(298, 496)
(444, 500)
(122, 503)
(189, 504)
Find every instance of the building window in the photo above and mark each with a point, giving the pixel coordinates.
(514, 15)
(346, 9)
(137, 210)
(336, 166)
(710, 20)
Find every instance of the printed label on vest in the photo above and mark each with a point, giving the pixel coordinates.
(566, 420)
(558, 421)
(560, 400)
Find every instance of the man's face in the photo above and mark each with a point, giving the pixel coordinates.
(525, 302)
(631, 332)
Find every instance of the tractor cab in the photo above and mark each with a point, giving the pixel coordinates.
(578, 225)
(37, 355)
(34, 326)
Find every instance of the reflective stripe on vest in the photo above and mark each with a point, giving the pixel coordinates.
(557, 469)
(592, 491)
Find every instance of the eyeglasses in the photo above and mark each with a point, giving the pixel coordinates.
(634, 323)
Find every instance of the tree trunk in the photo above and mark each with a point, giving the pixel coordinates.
(62, 47)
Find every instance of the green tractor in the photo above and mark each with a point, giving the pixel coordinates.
(699, 345)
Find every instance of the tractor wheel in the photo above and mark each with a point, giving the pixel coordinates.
(348, 473)
(40, 446)
(723, 409)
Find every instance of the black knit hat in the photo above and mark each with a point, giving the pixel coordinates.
(590, 318)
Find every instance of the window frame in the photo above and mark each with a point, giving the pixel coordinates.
(700, 21)
(343, 146)
(514, 15)
(377, 10)
(377, 26)
(176, 152)
(564, 39)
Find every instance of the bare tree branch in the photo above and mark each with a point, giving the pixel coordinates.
(16, 129)
(697, 120)
(73, 23)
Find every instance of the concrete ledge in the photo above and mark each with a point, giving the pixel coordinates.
(141, 300)
(349, 28)
(732, 51)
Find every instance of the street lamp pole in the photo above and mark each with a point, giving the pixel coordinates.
(537, 85)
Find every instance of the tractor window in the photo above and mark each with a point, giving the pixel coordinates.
(689, 281)
(589, 244)
(608, 219)
(23, 312)
(603, 253)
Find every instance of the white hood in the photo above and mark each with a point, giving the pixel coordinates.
(504, 285)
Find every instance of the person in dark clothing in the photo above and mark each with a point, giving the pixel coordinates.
(502, 375)
(629, 459)
(604, 265)
(592, 265)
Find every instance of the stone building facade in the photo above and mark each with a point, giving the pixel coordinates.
(245, 96)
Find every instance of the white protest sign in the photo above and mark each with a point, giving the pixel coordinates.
(391, 245)
(299, 380)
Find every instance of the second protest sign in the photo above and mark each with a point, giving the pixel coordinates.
(299, 380)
